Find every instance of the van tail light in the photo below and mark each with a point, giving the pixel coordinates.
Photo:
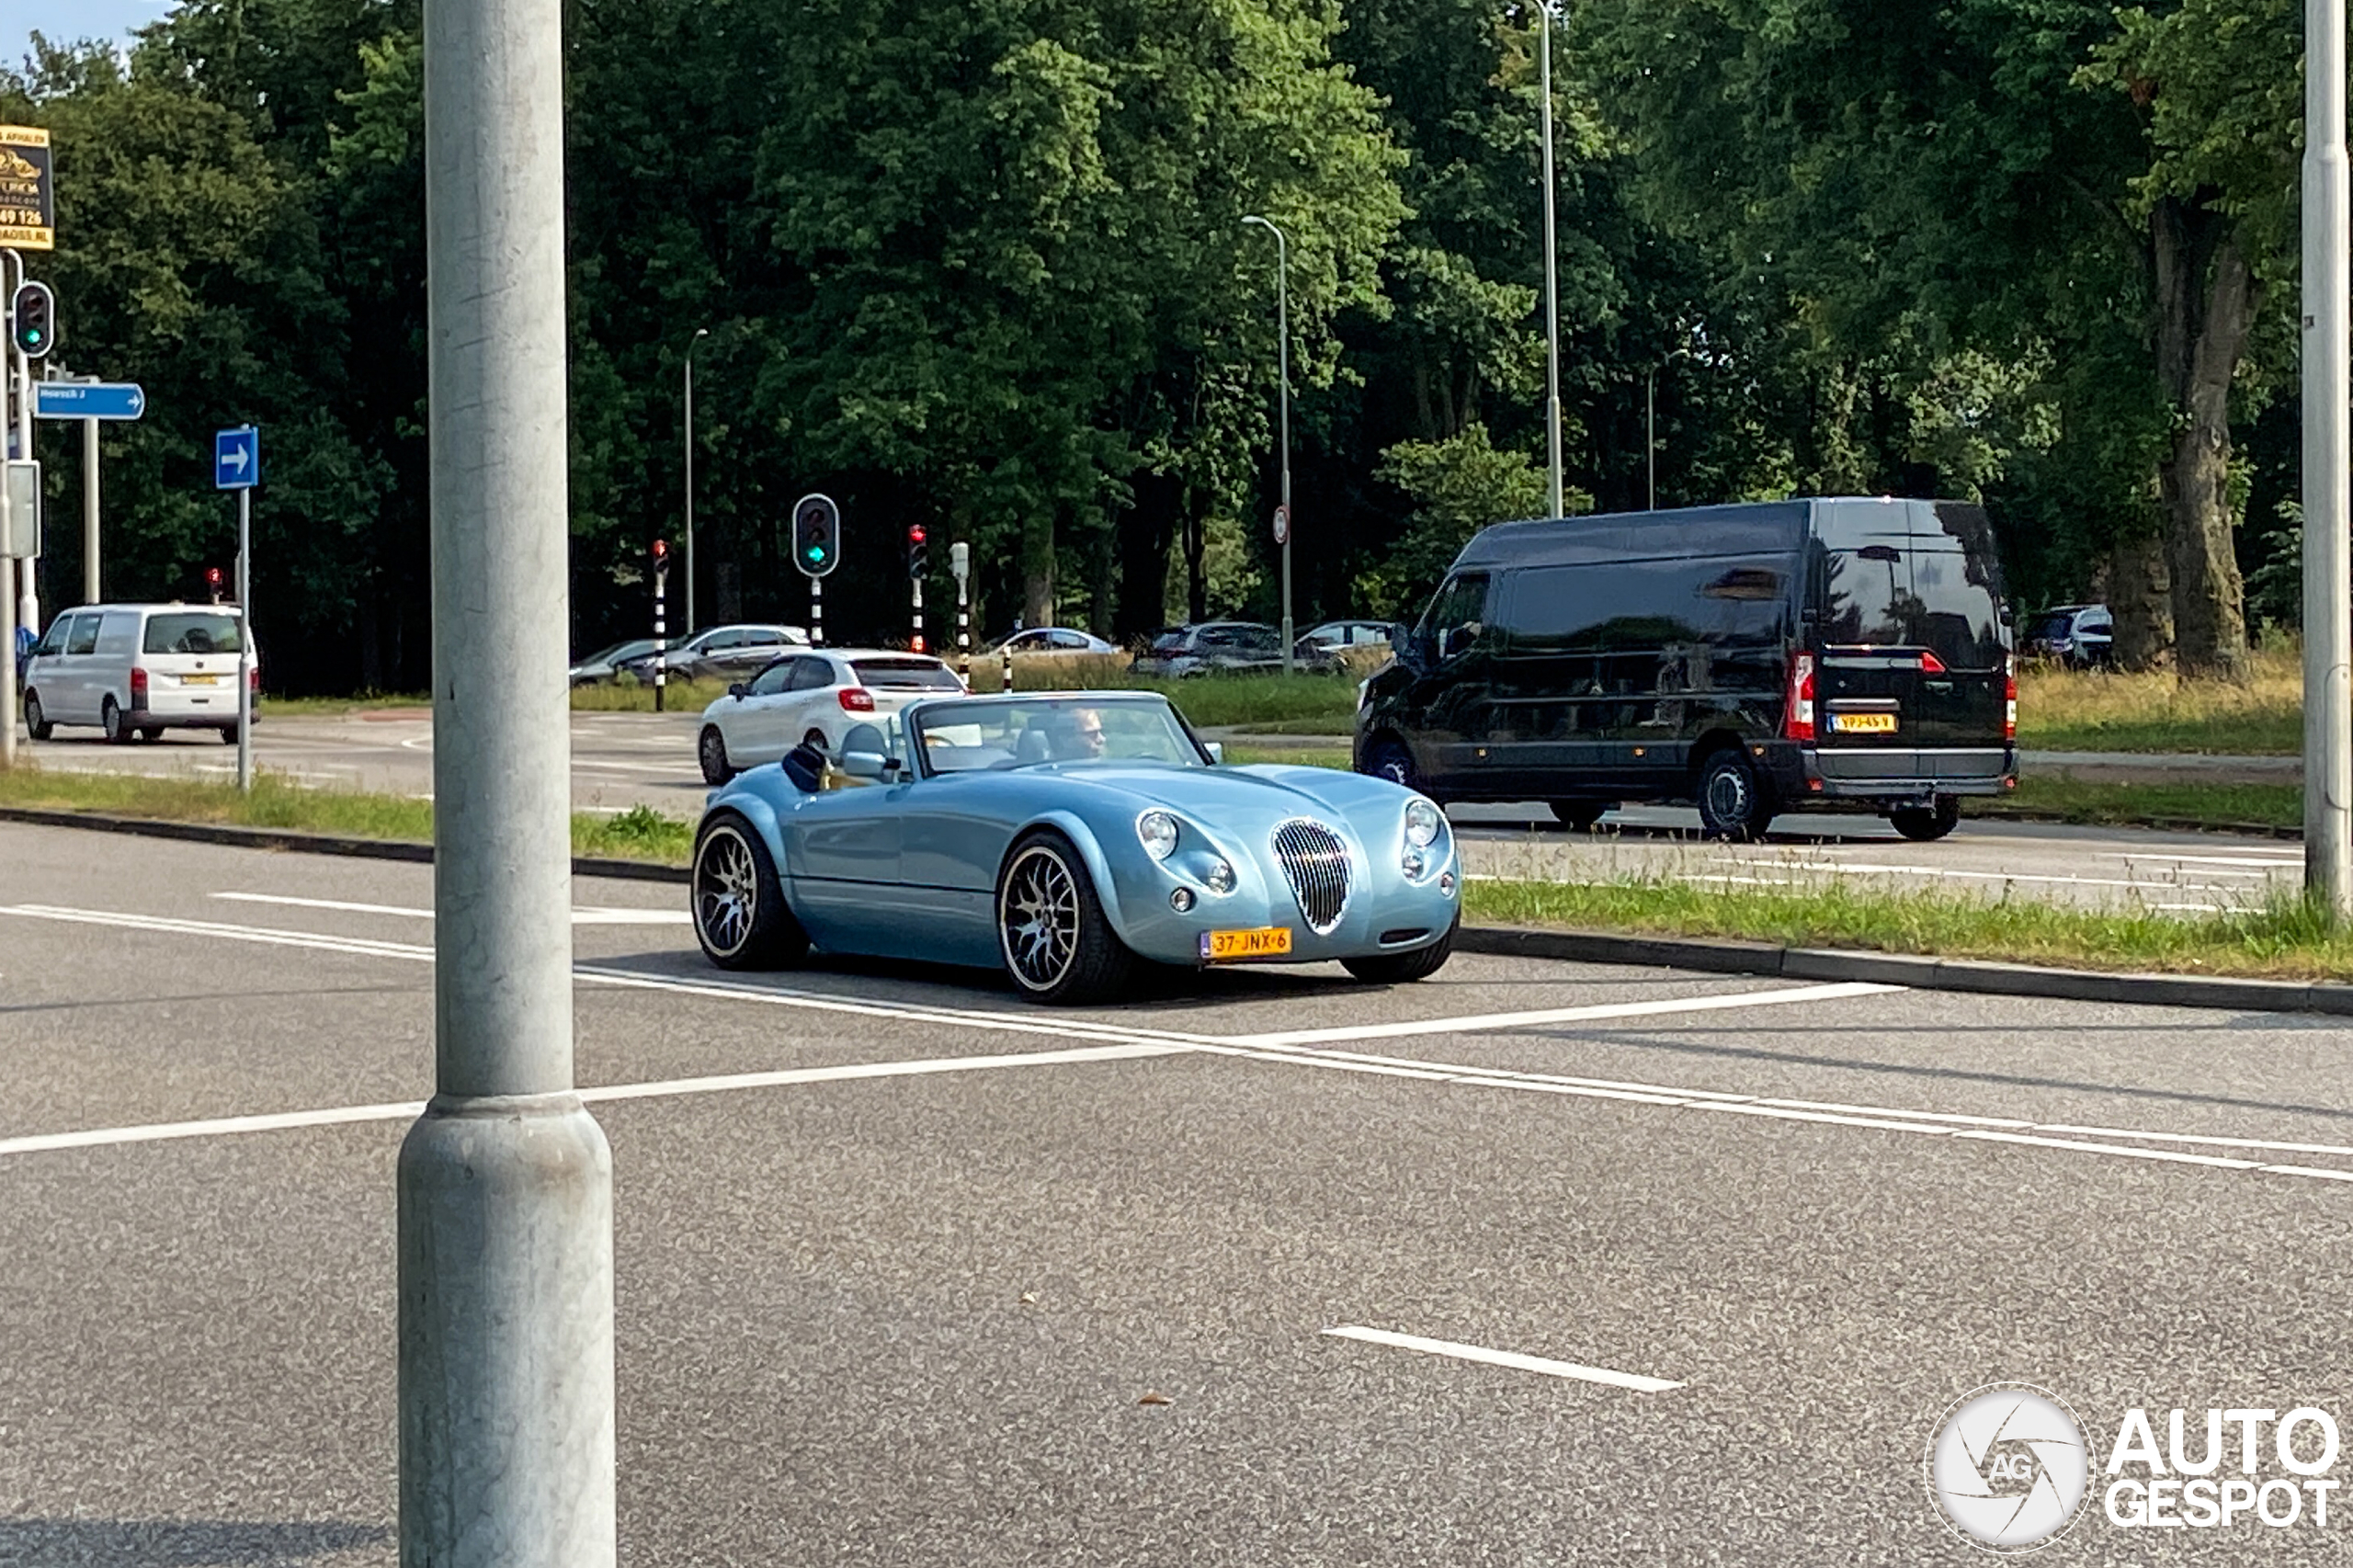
(138, 686)
(1797, 723)
(2010, 697)
(857, 699)
(1930, 664)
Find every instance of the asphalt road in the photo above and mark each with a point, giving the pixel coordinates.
(622, 760)
(900, 1295)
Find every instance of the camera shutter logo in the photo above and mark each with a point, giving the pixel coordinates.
(2007, 1467)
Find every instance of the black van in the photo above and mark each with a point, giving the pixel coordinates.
(1749, 659)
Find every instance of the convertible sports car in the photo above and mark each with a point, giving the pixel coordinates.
(1064, 837)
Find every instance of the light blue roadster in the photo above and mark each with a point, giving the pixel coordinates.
(1064, 837)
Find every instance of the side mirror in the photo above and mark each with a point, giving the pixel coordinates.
(1217, 751)
(864, 764)
(1457, 639)
(739, 691)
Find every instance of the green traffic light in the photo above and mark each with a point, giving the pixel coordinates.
(816, 552)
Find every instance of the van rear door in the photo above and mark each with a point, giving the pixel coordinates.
(1869, 678)
(1957, 622)
(190, 656)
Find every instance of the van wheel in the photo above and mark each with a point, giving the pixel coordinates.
(1390, 760)
(711, 750)
(1926, 826)
(111, 721)
(1733, 802)
(1582, 814)
(151, 733)
(228, 734)
(37, 723)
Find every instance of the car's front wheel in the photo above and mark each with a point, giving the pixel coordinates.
(1056, 942)
(711, 750)
(741, 917)
(1403, 968)
(1390, 760)
(37, 723)
(1925, 824)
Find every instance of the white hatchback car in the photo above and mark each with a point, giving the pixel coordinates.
(138, 670)
(812, 697)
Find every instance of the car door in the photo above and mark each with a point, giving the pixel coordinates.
(754, 724)
(1453, 695)
(842, 851)
(45, 673)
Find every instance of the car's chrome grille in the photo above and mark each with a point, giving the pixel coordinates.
(1315, 863)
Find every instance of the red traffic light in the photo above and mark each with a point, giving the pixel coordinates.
(661, 550)
(914, 534)
(213, 577)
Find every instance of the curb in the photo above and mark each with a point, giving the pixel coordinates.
(1724, 956)
(1709, 955)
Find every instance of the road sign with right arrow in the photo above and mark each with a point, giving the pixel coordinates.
(88, 400)
(236, 458)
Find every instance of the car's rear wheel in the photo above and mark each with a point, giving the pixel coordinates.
(37, 723)
(1403, 968)
(740, 915)
(711, 750)
(111, 721)
(1582, 813)
(1926, 825)
(228, 734)
(1390, 760)
(151, 733)
(1733, 800)
(1056, 942)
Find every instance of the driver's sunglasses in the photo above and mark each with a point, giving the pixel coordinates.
(1092, 735)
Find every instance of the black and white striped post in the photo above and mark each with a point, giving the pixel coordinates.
(960, 562)
(661, 622)
(816, 612)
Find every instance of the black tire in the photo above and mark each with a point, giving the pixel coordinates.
(150, 733)
(1733, 802)
(1403, 968)
(37, 723)
(711, 750)
(111, 721)
(228, 734)
(1051, 929)
(1926, 826)
(737, 901)
(1582, 814)
(1389, 759)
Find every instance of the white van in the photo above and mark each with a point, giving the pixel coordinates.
(139, 670)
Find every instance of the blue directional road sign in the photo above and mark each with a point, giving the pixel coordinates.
(88, 400)
(236, 458)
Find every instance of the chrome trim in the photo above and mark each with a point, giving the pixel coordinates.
(1317, 865)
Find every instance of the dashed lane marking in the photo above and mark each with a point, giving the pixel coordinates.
(1511, 1358)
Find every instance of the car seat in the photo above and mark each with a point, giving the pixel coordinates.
(1032, 747)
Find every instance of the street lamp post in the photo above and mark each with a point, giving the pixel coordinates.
(2328, 637)
(1551, 279)
(1282, 360)
(701, 333)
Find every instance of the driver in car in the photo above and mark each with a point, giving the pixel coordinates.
(1078, 736)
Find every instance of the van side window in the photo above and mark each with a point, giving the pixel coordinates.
(1457, 614)
(54, 642)
(84, 638)
(119, 633)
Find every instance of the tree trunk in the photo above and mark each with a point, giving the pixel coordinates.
(1038, 569)
(2140, 596)
(2206, 299)
(1147, 531)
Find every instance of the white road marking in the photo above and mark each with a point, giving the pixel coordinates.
(157, 1132)
(585, 914)
(1511, 1358)
(2277, 860)
(1485, 1021)
(1872, 869)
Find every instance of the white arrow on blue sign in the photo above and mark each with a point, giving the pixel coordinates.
(88, 400)
(236, 458)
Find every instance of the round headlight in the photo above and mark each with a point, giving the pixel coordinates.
(1158, 831)
(1422, 821)
(1416, 861)
(1220, 878)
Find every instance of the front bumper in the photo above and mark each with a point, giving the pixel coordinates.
(1384, 913)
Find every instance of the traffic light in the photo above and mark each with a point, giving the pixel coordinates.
(33, 320)
(212, 582)
(661, 555)
(918, 554)
(817, 535)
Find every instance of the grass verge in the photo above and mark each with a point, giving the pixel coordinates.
(2108, 711)
(2287, 940)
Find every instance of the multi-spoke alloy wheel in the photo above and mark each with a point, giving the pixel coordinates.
(739, 910)
(1051, 927)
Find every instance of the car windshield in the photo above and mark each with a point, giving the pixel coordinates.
(966, 737)
(192, 632)
(906, 674)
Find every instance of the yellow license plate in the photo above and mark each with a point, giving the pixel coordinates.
(200, 680)
(1863, 724)
(1238, 946)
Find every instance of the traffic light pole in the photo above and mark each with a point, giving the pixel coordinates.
(661, 630)
(505, 1192)
(816, 612)
(10, 262)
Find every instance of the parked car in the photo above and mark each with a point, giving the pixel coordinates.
(1062, 838)
(812, 699)
(1751, 659)
(605, 662)
(137, 670)
(719, 653)
(1339, 634)
(1053, 640)
(2080, 635)
(1224, 647)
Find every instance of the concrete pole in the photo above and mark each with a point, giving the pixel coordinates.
(2328, 584)
(89, 511)
(1551, 280)
(1282, 374)
(505, 1221)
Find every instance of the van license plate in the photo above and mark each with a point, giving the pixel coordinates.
(1863, 724)
(200, 680)
(1240, 947)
